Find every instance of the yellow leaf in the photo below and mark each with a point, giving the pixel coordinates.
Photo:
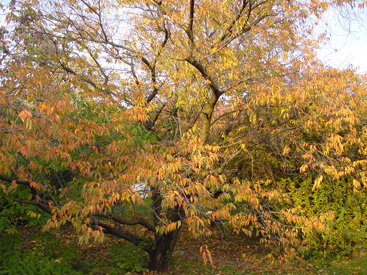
(317, 182)
(303, 168)
(24, 115)
(356, 183)
(286, 150)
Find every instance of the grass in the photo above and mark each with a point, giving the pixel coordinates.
(58, 251)
(347, 267)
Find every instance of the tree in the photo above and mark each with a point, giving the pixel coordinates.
(180, 96)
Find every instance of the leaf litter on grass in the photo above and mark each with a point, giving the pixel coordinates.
(230, 255)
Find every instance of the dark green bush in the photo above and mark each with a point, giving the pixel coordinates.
(34, 264)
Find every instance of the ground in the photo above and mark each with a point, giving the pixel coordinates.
(231, 255)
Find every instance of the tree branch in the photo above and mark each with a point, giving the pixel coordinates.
(190, 31)
(42, 206)
(213, 86)
(137, 221)
(10, 180)
(151, 121)
(126, 235)
(240, 13)
(154, 79)
(86, 80)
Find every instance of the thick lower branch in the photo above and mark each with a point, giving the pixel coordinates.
(27, 183)
(137, 221)
(43, 207)
(126, 235)
(21, 182)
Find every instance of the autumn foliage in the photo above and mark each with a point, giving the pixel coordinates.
(171, 114)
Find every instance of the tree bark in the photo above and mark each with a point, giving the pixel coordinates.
(206, 118)
(164, 246)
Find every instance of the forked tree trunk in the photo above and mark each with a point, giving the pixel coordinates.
(164, 246)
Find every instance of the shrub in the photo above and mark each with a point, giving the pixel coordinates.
(343, 234)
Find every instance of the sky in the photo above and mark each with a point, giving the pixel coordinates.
(348, 41)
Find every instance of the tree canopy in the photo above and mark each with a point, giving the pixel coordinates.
(171, 114)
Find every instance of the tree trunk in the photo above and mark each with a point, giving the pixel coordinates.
(206, 118)
(164, 246)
